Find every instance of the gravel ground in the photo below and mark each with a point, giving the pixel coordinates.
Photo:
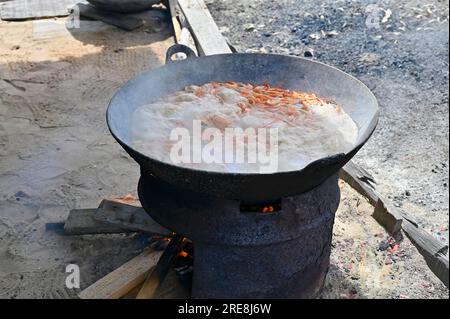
(400, 50)
(367, 263)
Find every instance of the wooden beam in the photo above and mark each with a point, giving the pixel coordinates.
(172, 7)
(207, 36)
(387, 217)
(186, 37)
(124, 279)
(172, 288)
(34, 9)
(82, 222)
(157, 276)
(128, 217)
(364, 183)
(360, 180)
(393, 219)
(433, 251)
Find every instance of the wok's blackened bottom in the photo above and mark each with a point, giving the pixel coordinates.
(243, 253)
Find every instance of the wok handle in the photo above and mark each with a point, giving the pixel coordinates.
(179, 48)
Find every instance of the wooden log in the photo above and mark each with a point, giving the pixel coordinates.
(157, 276)
(82, 222)
(34, 9)
(360, 180)
(387, 217)
(207, 36)
(433, 251)
(124, 279)
(172, 288)
(364, 183)
(50, 29)
(186, 37)
(172, 7)
(133, 293)
(393, 219)
(128, 217)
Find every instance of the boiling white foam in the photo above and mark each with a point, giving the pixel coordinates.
(322, 131)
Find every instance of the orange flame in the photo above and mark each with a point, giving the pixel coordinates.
(268, 209)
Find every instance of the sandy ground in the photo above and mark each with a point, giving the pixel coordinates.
(363, 267)
(56, 154)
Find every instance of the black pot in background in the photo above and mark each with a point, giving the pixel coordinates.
(123, 6)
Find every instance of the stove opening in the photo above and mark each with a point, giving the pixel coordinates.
(267, 208)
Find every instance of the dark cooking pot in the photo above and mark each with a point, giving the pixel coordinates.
(285, 71)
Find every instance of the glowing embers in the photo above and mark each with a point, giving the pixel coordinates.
(267, 208)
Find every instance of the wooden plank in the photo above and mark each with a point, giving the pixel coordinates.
(433, 251)
(126, 22)
(172, 7)
(360, 180)
(176, 29)
(364, 183)
(133, 293)
(128, 217)
(49, 28)
(158, 275)
(172, 288)
(387, 217)
(393, 219)
(124, 279)
(82, 222)
(186, 37)
(33, 9)
(208, 38)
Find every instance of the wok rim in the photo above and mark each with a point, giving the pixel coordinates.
(332, 158)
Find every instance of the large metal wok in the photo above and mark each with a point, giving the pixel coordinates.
(278, 70)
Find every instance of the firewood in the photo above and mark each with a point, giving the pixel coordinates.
(361, 181)
(433, 251)
(393, 219)
(82, 222)
(124, 279)
(128, 217)
(387, 217)
(159, 273)
(34, 9)
(207, 36)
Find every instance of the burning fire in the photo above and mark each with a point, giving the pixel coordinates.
(268, 209)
